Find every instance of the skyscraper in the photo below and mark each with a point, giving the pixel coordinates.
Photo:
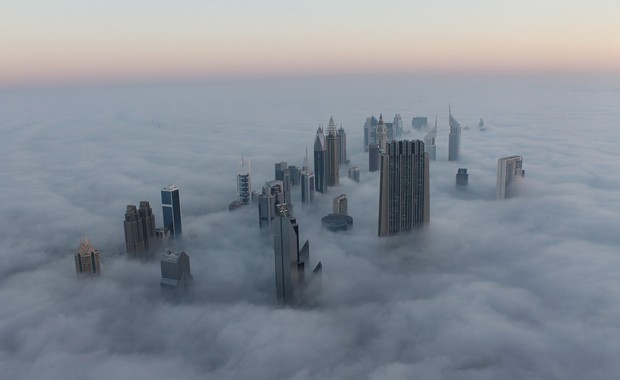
(342, 145)
(403, 187)
(171, 209)
(382, 137)
(272, 195)
(429, 142)
(295, 174)
(507, 169)
(282, 173)
(462, 178)
(370, 132)
(419, 122)
(454, 142)
(354, 173)
(398, 126)
(307, 182)
(175, 270)
(340, 205)
(87, 258)
(320, 162)
(374, 157)
(134, 237)
(291, 264)
(244, 182)
(332, 157)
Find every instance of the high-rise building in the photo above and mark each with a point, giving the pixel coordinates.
(419, 122)
(342, 145)
(429, 142)
(454, 142)
(382, 137)
(175, 270)
(282, 173)
(134, 238)
(398, 126)
(87, 258)
(508, 168)
(171, 209)
(390, 131)
(139, 226)
(462, 178)
(295, 174)
(320, 162)
(340, 205)
(307, 182)
(370, 132)
(354, 173)
(291, 264)
(332, 159)
(272, 195)
(374, 157)
(244, 182)
(403, 187)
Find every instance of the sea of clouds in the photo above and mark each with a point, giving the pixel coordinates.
(528, 287)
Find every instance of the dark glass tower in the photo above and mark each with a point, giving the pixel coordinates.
(320, 162)
(171, 209)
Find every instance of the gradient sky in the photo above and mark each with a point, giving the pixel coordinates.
(86, 40)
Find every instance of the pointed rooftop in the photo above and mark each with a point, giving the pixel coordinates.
(319, 140)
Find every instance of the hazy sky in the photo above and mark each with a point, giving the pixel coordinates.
(85, 40)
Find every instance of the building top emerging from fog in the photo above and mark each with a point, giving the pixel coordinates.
(87, 258)
(507, 169)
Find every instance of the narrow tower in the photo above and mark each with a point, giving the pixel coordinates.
(320, 164)
(332, 155)
(454, 142)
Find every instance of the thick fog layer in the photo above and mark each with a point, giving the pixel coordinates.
(522, 288)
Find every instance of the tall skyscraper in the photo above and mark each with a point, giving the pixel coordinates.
(340, 205)
(244, 182)
(307, 182)
(370, 132)
(398, 126)
(332, 157)
(148, 223)
(382, 137)
(354, 173)
(272, 195)
(342, 145)
(462, 178)
(282, 173)
(171, 209)
(403, 187)
(291, 264)
(87, 258)
(508, 168)
(374, 157)
(295, 174)
(175, 270)
(419, 122)
(429, 142)
(320, 162)
(454, 142)
(134, 238)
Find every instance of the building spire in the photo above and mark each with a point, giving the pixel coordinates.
(381, 118)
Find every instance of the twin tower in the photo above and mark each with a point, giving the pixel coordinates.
(329, 152)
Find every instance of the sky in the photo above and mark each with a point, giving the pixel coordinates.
(77, 41)
(522, 288)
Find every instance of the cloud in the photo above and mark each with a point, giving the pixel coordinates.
(522, 288)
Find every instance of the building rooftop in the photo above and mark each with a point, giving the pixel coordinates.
(170, 188)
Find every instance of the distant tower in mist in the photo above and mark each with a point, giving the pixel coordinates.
(307, 182)
(87, 258)
(398, 126)
(320, 162)
(171, 209)
(374, 157)
(282, 173)
(508, 168)
(291, 264)
(429, 142)
(454, 142)
(403, 187)
(340, 205)
(354, 173)
(370, 132)
(244, 182)
(332, 158)
(382, 137)
(342, 145)
(175, 270)
(462, 178)
(268, 201)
